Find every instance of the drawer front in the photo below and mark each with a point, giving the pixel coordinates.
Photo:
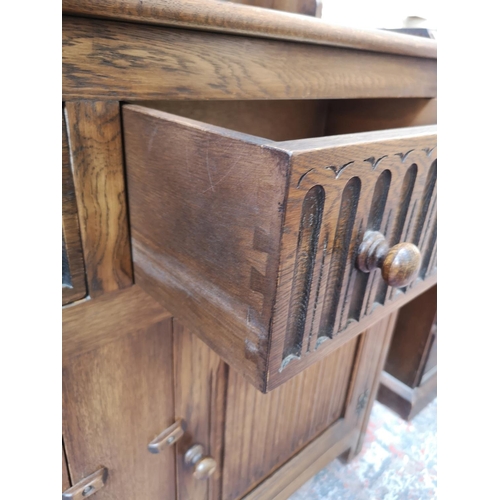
(254, 244)
(372, 183)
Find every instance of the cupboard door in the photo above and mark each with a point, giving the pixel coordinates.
(263, 431)
(252, 435)
(118, 394)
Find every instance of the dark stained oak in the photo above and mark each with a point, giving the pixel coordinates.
(210, 15)
(251, 243)
(117, 397)
(88, 486)
(261, 148)
(96, 152)
(115, 60)
(399, 264)
(276, 120)
(315, 417)
(91, 324)
(409, 380)
(74, 286)
(200, 398)
(349, 116)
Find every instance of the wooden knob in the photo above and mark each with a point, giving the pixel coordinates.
(204, 466)
(400, 264)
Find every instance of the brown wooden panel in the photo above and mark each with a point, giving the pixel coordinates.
(116, 399)
(74, 286)
(94, 323)
(111, 60)
(370, 359)
(412, 339)
(219, 16)
(65, 474)
(96, 151)
(405, 401)
(308, 462)
(431, 362)
(348, 116)
(214, 212)
(304, 7)
(264, 430)
(229, 277)
(200, 398)
(275, 120)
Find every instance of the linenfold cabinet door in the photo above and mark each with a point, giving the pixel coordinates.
(278, 253)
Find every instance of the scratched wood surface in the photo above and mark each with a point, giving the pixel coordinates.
(209, 15)
(124, 61)
(239, 204)
(96, 151)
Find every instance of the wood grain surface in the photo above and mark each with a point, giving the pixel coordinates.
(200, 398)
(213, 15)
(412, 339)
(348, 116)
(88, 325)
(210, 222)
(124, 61)
(74, 285)
(264, 430)
(116, 399)
(96, 151)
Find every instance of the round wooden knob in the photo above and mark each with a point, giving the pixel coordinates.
(400, 264)
(204, 466)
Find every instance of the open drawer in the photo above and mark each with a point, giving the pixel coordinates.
(276, 253)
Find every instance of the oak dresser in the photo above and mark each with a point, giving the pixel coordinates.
(249, 198)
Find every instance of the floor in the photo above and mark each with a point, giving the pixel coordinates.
(398, 462)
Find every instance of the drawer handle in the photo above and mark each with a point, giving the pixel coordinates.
(400, 264)
(87, 486)
(168, 437)
(204, 466)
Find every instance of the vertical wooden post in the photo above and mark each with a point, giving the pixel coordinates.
(95, 138)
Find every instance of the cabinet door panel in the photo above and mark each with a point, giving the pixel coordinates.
(263, 431)
(116, 399)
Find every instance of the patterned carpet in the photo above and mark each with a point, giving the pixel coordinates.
(398, 462)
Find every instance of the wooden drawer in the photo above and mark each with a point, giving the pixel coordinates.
(256, 245)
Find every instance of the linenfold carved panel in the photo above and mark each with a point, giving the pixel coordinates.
(394, 193)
